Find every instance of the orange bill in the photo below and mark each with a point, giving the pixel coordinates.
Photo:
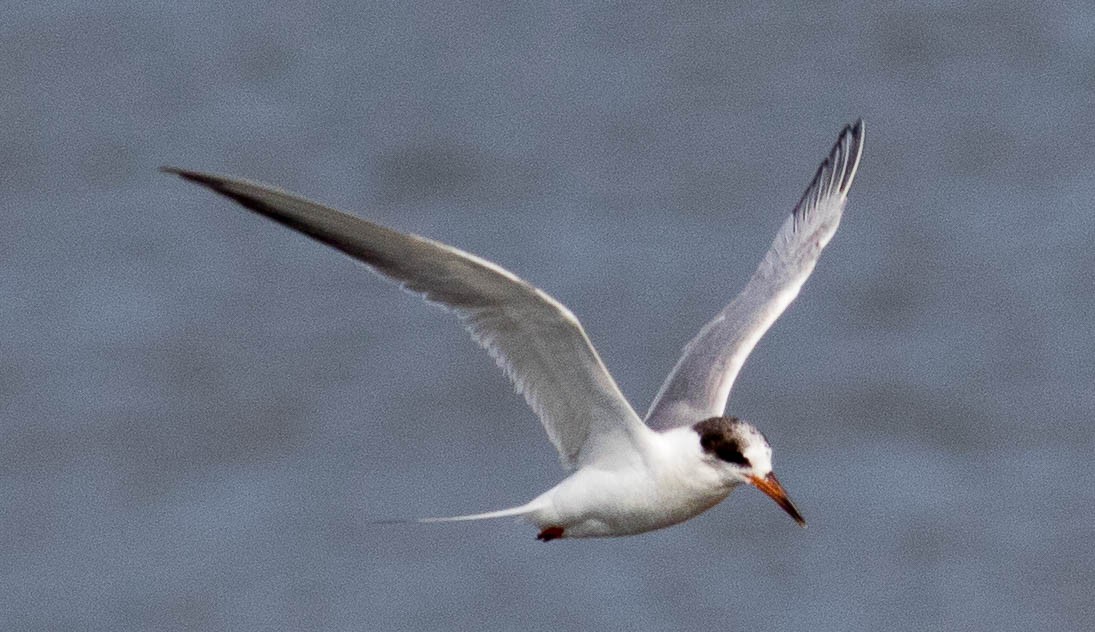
(770, 485)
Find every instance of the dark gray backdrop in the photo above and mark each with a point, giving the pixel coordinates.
(201, 413)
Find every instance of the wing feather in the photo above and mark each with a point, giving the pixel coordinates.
(536, 340)
(699, 385)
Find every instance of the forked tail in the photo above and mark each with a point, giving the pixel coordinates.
(522, 510)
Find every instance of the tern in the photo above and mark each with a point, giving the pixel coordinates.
(629, 475)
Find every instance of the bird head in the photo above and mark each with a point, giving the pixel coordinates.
(741, 454)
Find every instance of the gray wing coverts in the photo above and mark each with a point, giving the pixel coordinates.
(699, 385)
(541, 345)
(536, 340)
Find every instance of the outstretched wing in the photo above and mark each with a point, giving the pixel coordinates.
(699, 386)
(535, 339)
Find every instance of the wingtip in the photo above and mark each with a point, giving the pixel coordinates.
(852, 131)
(186, 174)
(852, 134)
(836, 173)
(856, 151)
(219, 184)
(858, 131)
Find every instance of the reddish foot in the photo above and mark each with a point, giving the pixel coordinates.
(549, 534)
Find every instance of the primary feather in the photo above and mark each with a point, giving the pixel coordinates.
(630, 479)
(536, 340)
(699, 385)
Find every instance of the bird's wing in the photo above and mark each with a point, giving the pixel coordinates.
(535, 339)
(699, 386)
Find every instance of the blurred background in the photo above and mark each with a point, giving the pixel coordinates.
(203, 415)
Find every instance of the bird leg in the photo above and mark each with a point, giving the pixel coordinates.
(550, 533)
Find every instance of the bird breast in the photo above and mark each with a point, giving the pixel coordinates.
(609, 502)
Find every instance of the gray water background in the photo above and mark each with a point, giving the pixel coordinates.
(202, 415)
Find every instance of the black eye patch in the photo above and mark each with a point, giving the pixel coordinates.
(723, 447)
(732, 454)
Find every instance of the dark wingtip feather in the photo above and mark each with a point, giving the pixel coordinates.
(193, 176)
(835, 173)
(855, 151)
(176, 171)
(232, 190)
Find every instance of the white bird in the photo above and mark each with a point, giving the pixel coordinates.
(630, 476)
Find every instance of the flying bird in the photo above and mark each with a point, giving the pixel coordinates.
(630, 475)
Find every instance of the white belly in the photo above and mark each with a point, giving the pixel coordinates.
(602, 503)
